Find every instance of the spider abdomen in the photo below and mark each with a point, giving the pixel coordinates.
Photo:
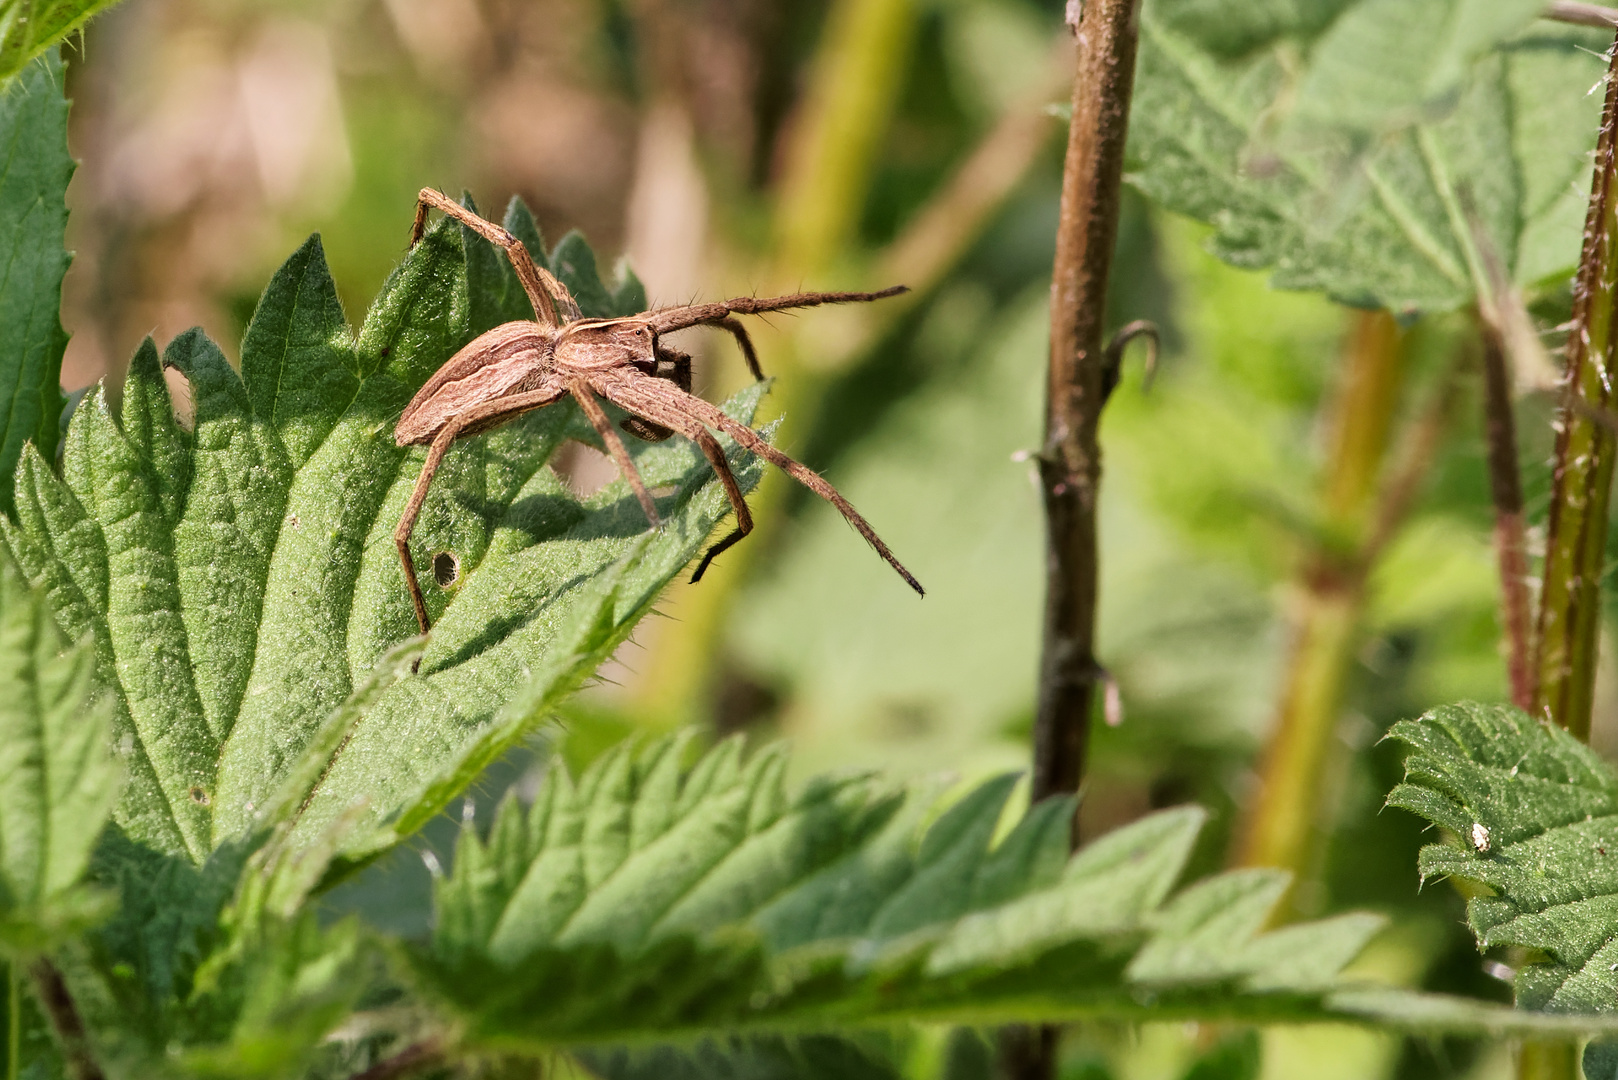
(510, 359)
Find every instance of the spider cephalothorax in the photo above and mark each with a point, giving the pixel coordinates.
(521, 366)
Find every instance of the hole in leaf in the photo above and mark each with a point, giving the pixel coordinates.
(446, 569)
(199, 796)
(663, 490)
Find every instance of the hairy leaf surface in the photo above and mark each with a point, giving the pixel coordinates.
(29, 27)
(1534, 813)
(1410, 147)
(239, 577)
(58, 780)
(33, 217)
(653, 898)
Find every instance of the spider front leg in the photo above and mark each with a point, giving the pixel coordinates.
(580, 389)
(678, 410)
(670, 364)
(508, 408)
(540, 285)
(666, 416)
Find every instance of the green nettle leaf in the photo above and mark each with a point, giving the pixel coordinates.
(30, 27)
(1534, 816)
(58, 780)
(194, 976)
(240, 582)
(652, 899)
(33, 217)
(1410, 147)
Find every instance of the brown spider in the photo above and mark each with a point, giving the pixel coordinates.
(522, 366)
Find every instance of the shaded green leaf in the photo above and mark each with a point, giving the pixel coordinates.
(33, 218)
(58, 781)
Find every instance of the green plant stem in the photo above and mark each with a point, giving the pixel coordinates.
(1575, 546)
(1569, 630)
(1548, 1061)
(853, 90)
(1330, 598)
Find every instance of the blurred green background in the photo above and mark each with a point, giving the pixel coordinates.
(754, 146)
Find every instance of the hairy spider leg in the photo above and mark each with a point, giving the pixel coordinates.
(580, 389)
(680, 376)
(670, 319)
(540, 285)
(628, 389)
(509, 407)
(744, 341)
(631, 394)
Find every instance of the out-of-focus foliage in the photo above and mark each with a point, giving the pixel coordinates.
(1412, 145)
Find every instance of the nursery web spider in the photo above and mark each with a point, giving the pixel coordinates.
(522, 366)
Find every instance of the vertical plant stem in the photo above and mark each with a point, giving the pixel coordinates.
(1329, 601)
(1576, 536)
(65, 1020)
(1575, 545)
(1105, 40)
(1510, 526)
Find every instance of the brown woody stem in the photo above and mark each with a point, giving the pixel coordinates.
(1510, 529)
(58, 1004)
(1070, 468)
(1105, 38)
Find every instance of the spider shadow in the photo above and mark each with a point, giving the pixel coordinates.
(544, 518)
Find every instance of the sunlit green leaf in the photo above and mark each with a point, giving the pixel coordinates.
(650, 897)
(240, 581)
(1534, 815)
